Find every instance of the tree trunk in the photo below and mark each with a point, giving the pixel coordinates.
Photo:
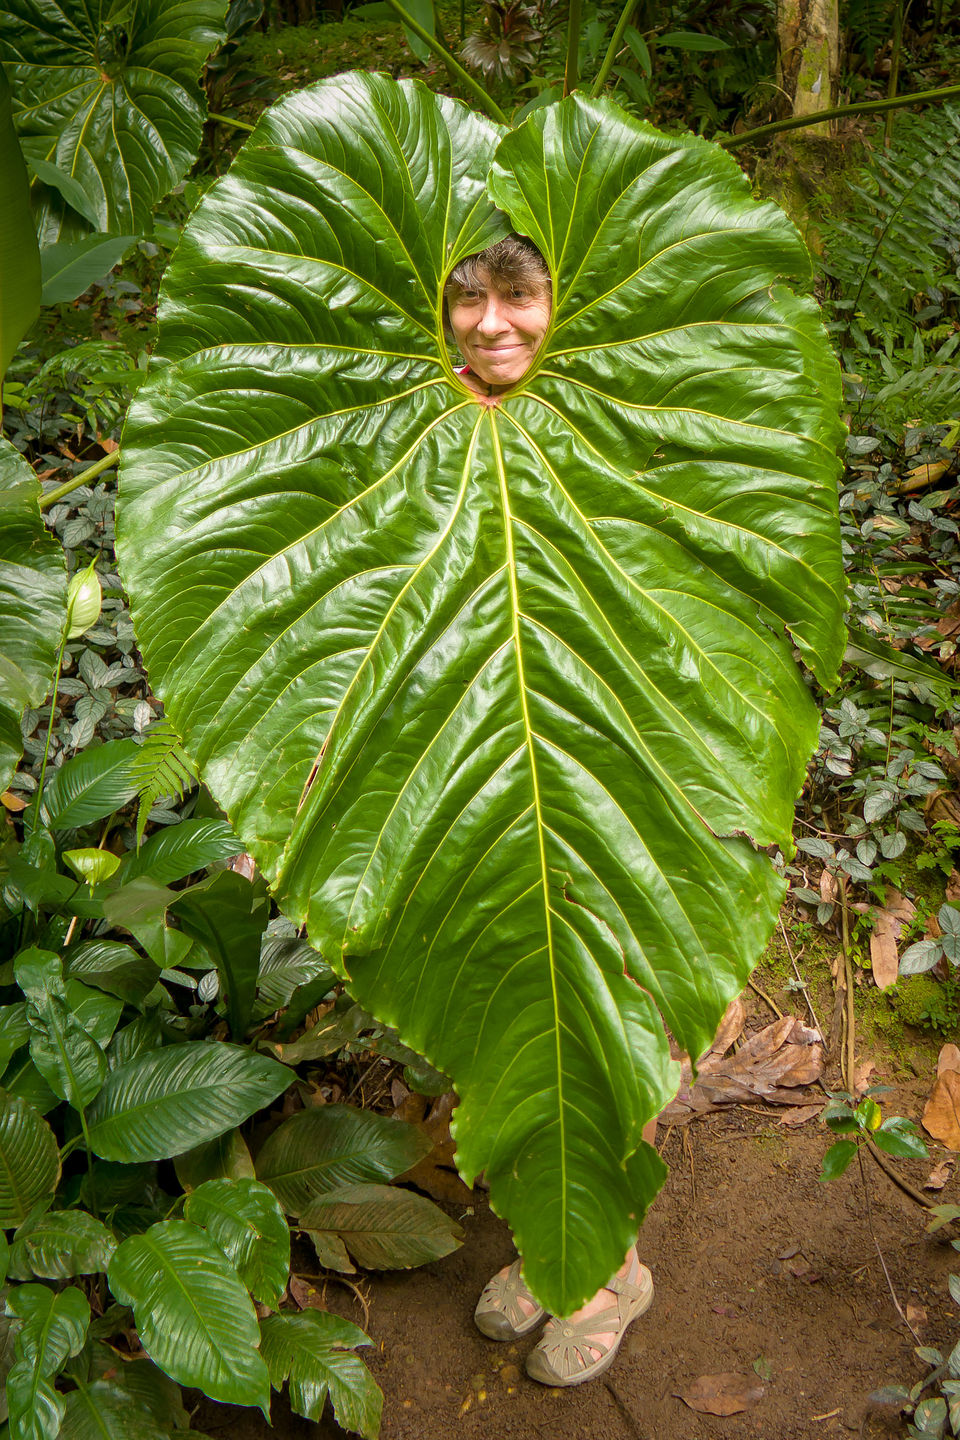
(808, 34)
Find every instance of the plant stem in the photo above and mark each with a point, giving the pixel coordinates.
(868, 107)
(52, 496)
(613, 48)
(93, 1184)
(896, 50)
(849, 1046)
(571, 71)
(456, 70)
(230, 120)
(873, 1233)
(53, 710)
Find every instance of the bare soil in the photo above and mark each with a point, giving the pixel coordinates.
(759, 1269)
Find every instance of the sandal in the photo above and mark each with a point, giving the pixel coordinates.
(499, 1315)
(563, 1355)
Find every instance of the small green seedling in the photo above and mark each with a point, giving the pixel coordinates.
(859, 1123)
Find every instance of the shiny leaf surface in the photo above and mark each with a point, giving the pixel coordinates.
(311, 1350)
(29, 1159)
(244, 1218)
(111, 96)
(166, 1101)
(194, 1317)
(60, 1245)
(318, 1150)
(501, 698)
(54, 1327)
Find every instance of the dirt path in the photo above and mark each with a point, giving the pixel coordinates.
(758, 1268)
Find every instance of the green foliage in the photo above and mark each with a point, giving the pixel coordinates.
(312, 1351)
(162, 769)
(107, 95)
(33, 601)
(897, 248)
(512, 760)
(19, 260)
(859, 1123)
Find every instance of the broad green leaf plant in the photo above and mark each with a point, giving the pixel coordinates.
(502, 699)
(108, 105)
(33, 592)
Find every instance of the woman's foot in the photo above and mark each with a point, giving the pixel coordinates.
(574, 1350)
(506, 1310)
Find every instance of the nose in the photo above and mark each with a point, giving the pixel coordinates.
(494, 320)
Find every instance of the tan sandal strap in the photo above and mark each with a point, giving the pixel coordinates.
(628, 1288)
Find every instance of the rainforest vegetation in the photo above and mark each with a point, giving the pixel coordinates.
(371, 756)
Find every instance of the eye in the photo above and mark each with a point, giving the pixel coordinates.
(517, 294)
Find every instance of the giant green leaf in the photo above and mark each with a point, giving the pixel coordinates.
(108, 92)
(501, 698)
(19, 256)
(166, 1101)
(194, 1317)
(33, 594)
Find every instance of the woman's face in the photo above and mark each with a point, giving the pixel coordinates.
(498, 332)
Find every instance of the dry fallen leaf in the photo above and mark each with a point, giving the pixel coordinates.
(800, 1115)
(436, 1173)
(729, 1029)
(725, 1394)
(938, 1176)
(773, 1064)
(948, 1059)
(916, 1315)
(884, 960)
(12, 802)
(861, 1077)
(953, 886)
(941, 1114)
(304, 1295)
(828, 887)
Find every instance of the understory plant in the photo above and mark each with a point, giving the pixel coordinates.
(144, 1040)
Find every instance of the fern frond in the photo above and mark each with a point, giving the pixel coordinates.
(893, 245)
(162, 768)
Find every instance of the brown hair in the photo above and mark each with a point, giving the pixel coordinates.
(513, 261)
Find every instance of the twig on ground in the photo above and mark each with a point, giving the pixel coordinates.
(766, 999)
(898, 1180)
(796, 971)
(883, 1263)
(848, 1054)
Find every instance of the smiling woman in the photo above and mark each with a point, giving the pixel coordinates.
(499, 304)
